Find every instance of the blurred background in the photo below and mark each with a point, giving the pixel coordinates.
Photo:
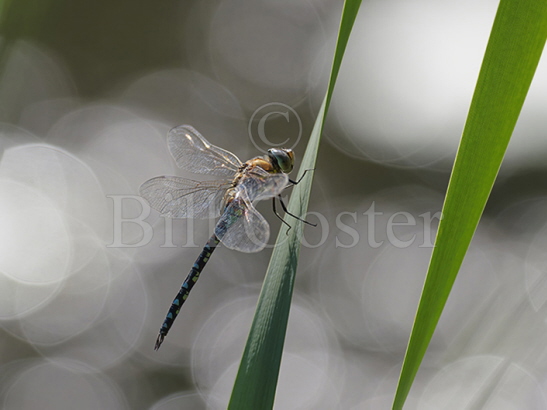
(88, 92)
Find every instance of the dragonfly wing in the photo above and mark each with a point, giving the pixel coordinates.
(194, 153)
(260, 184)
(241, 226)
(178, 197)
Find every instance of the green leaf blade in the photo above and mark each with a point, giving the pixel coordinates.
(513, 52)
(258, 373)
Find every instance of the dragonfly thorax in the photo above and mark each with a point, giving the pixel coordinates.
(277, 161)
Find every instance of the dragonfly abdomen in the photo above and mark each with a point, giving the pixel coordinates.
(186, 287)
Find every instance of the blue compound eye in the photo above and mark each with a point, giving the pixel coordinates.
(283, 157)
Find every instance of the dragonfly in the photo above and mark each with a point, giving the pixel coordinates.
(240, 227)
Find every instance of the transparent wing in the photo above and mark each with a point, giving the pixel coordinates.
(260, 184)
(241, 227)
(178, 197)
(194, 153)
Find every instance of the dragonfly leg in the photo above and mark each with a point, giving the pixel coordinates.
(302, 177)
(279, 216)
(288, 213)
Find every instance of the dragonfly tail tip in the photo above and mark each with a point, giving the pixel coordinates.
(159, 341)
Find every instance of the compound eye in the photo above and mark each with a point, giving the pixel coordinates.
(284, 158)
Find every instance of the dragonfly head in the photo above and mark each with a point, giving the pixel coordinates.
(283, 158)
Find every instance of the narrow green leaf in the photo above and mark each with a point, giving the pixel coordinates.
(514, 48)
(256, 380)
